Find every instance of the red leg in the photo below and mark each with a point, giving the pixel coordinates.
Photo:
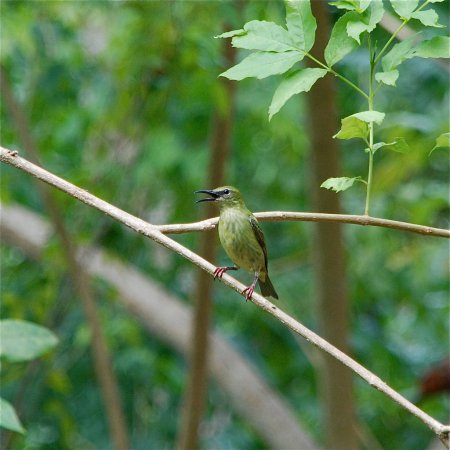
(249, 290)
(221, 270)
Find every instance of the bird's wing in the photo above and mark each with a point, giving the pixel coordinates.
(259, 236)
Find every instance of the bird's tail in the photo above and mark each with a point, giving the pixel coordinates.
(267, 289)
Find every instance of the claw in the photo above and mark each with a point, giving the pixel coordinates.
(219, 272)
(248, 292)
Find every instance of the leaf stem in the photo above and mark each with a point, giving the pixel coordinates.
(338, 75)
(370, 102)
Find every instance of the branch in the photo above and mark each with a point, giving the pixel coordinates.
(152, 231)
(282, 216)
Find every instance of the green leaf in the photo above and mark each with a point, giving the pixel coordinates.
(398, 53)
(301, 23)
(355, 126)
(229, 34)
(388, 78)
(265, 36)
(429, 18)
(370, 116)
(8, 417)
(441, 141)
(340, 44)
(368, 20)
(404, 8)
(351, 127)
(263, 64)
(350, 5)
(355, 28)
(301, 81)
(23, 341)
(339, 184)
(364, 4)
(399, 145)
(436, 47)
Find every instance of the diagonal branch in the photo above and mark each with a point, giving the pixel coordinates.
(152, 231)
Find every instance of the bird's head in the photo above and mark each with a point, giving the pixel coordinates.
(225, 195)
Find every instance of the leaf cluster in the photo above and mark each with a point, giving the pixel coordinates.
(277, 50)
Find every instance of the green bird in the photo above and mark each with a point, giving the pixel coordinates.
(242, 238)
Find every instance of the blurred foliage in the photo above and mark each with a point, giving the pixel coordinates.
(120, 97)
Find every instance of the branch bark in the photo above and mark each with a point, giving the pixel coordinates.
(286, 216)
(151, 231)
(290, 216)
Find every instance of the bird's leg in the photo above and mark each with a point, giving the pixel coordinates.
(249, 290)
(221, 270)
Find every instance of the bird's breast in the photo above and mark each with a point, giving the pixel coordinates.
(238, 240)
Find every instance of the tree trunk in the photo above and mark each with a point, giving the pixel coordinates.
(197, 382)
(329, 263)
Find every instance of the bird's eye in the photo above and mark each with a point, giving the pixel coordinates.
(226, 191)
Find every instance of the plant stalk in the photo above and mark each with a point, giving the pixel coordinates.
(371, 152)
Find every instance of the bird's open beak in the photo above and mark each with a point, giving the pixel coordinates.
(213, 195)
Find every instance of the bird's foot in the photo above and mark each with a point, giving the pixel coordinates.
(248, 292)
(219, 272)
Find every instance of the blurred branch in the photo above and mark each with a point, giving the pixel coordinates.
(170, 319)
(152, 231)
(391, 23)
(100, 354)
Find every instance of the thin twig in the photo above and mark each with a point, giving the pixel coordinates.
(151, 231)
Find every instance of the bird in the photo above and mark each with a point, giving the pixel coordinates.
(242, 239)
